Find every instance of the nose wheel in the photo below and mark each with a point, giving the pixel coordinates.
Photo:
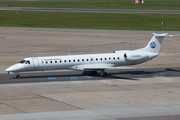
(18, 76)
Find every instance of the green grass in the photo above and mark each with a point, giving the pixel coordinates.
(108, 4)
(89, 20)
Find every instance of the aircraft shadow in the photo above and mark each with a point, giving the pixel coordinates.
(148, 71)
(66, 77)
(133, 74)
(171, 69)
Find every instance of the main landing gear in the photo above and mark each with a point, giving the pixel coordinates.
(18, 76)
(101, 73)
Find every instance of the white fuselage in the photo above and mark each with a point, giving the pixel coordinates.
(89, 62)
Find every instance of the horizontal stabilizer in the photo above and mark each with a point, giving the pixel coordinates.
(164, 35)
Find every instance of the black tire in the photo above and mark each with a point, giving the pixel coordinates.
(103, 74)
(17, 76)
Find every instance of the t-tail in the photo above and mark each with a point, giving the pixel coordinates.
(154, 44)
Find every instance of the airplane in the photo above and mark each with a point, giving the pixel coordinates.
(93, 63)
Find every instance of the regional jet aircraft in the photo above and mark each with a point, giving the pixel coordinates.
(94, 63)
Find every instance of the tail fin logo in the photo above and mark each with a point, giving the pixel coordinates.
(153, 44)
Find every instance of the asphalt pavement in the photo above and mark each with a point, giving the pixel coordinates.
(129, 74)
(91, 10)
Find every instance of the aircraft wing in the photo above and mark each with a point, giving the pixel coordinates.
(95, 67)
(107, 68)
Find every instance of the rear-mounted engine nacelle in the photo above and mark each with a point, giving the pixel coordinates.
(135, 57)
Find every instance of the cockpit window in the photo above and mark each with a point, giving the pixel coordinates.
(27, 62)
(23, 61)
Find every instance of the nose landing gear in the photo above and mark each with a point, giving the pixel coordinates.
(18, 76)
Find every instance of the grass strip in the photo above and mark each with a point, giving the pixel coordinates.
(90, 20)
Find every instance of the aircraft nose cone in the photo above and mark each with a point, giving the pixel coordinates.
(11, 68)
(7, 70)
(15, 68)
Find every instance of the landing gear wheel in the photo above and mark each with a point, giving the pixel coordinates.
(103, 74)
(17, 76)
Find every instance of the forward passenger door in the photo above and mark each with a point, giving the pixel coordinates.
(35, 64)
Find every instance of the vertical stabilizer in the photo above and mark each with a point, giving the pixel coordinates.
(154, 44)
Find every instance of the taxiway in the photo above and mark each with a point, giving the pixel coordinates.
(92, 10)
(151, 91)
(128, 74)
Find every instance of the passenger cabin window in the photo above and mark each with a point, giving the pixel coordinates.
(105, 58)
(50, 61)
(96, 59)
(114, 58)
(73, 60)
(82, 59)
(60, 61)
(55, 61)
(64, 60)
(118, 58)
(87, 59)
(46, 62)
(69, 60)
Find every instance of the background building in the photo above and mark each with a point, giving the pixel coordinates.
(139, 1)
